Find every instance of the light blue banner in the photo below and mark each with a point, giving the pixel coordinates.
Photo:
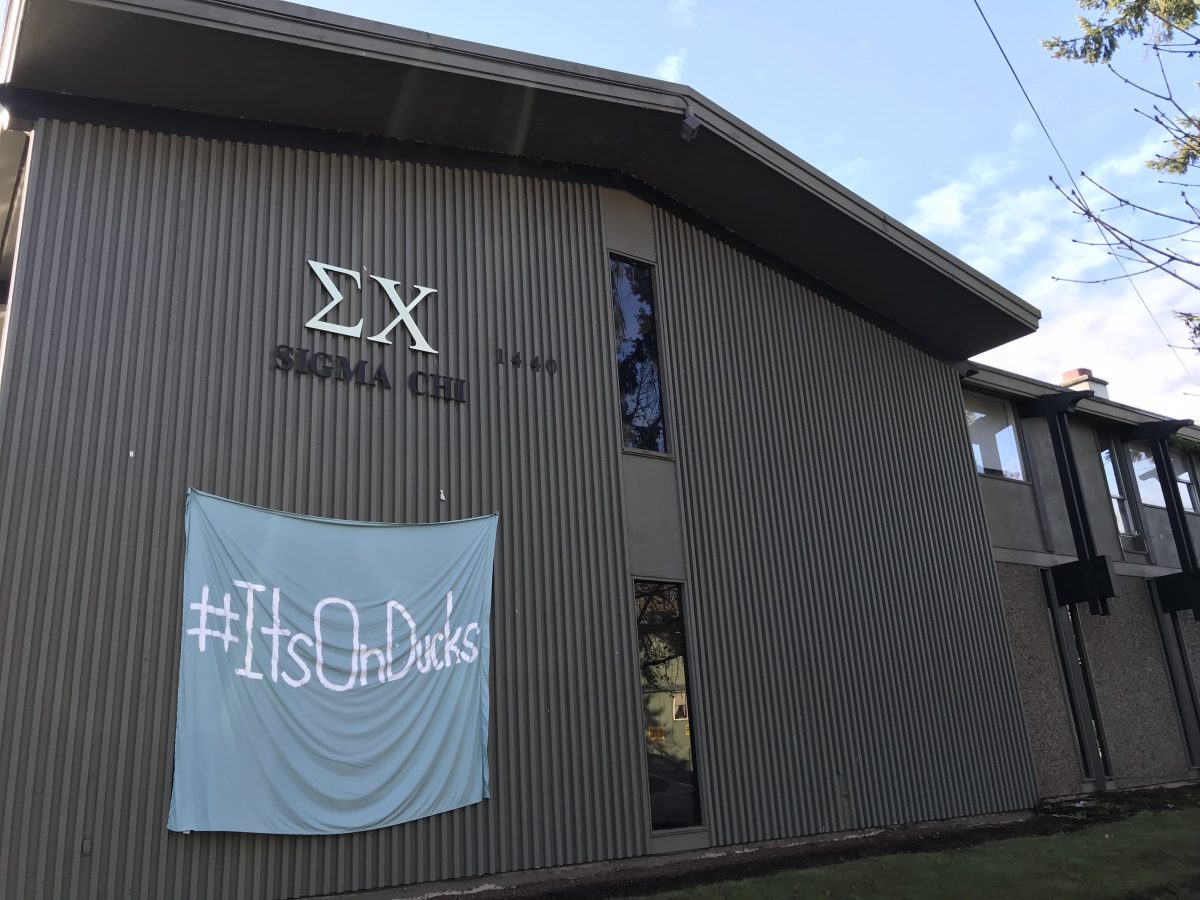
(333, 675)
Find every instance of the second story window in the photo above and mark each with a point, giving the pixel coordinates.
(993, 435)
(1150, 488)
(639, 379)
(1184, 482)
(1122, 509)
(1145, 474)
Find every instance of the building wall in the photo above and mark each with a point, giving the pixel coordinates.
(156, 275)
(1043, 694)
(850, 661)
(1012, 514)
(849, 633)
(1191, 632)
(1133, 690)
(1143, 705)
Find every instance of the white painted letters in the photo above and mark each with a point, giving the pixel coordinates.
(404, 311)
(404, 314)
(442, 650)
(247, 669)
(316, 322)
(296, 658)
(412, 630)
(320, 644)
(275, 633)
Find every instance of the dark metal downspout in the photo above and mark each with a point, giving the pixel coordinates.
(1060, 436)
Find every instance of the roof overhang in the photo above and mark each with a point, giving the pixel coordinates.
(281, 63)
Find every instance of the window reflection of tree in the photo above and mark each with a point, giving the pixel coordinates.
(673, 787)
(660, 636)
(637, 355)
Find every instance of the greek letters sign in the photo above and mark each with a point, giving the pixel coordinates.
(333, 675)
(325, 365)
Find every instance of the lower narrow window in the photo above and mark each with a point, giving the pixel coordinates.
(674, 791)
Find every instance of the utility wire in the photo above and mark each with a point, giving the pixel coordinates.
(1075, 185)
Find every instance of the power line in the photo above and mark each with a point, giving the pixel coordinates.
(1075, 185)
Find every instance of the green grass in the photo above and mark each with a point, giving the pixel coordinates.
(1150, 855)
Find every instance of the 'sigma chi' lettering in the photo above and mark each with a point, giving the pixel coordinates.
(323, 365)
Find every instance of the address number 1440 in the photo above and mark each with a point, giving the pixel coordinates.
(537, 364)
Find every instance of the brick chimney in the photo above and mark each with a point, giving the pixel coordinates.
(1084, 380)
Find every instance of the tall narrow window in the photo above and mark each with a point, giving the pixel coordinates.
(1145, 474)
(1183, 481)
(993, 437)
(14, 170)
(638, 374)
(674, 793)
(3, 331)
(1122, 509)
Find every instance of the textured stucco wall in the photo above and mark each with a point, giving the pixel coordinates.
(1191, 639)
(1039, 678)
(1133, 690)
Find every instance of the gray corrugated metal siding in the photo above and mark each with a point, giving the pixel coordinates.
(849, 658)
(852, 655)
(156, 275)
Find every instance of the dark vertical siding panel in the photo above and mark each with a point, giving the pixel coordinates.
(156, 274)
(841, 590)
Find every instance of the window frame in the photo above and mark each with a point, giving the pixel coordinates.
(1135, 541)
(1130, 447)
(1188, 487)
(1018, 438)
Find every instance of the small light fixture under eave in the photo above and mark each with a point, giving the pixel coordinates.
(5, 118)
(690, 127)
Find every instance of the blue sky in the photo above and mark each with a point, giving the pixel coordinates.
(916, 112)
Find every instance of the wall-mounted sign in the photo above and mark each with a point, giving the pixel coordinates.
(333, 675)
(403, 310)
(307, 362)
(321, 364)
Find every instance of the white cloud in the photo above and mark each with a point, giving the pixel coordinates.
(1021, 132)
(1003, 230)
(681, 12)
(671, 68)
(1026, 237)
(941, 210)
(852, 172)
(1129, 164)
(1106, 329)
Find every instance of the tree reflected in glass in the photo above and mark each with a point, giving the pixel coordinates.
(662, 654)
(638, 374)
